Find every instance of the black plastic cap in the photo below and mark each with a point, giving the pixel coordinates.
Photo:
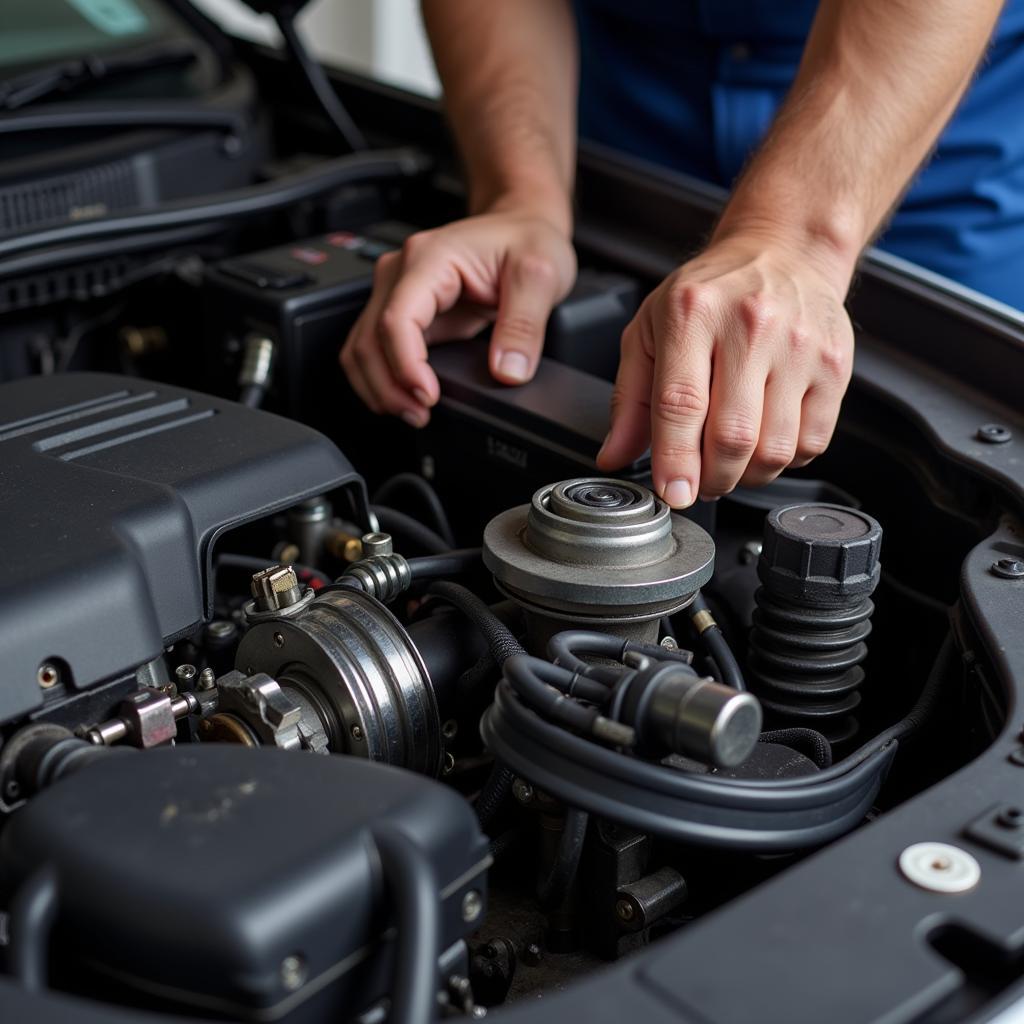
(821, 555)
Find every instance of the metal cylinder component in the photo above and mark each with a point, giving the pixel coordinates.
(276, 587)
(597, 552)
(348, 658)
(377, 544)
(641, 903)
(308, 525)
(257, 362)
(819, 565)
(673, 710)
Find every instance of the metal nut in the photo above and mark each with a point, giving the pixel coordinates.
(472, 906)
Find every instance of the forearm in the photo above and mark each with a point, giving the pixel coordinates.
(509, 72)
(878, 81)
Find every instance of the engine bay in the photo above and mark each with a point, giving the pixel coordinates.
(307, 715)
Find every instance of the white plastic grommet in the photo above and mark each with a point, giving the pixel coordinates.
(940, 867)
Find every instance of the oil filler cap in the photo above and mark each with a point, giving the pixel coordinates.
(820, 554)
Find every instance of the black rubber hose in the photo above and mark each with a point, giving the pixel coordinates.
(407, 528)
(320, 84)
(251, 201)
(544, 687)
(429, 498)
(805, 741)
(33, 913)
(494, 793)
(718, 647)
(500, 641)
(502, 645)
(555, 886)
(414, 891)
(459, 562)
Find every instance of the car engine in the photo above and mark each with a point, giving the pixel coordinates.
(308, 716)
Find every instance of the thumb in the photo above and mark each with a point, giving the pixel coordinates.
(528, 292)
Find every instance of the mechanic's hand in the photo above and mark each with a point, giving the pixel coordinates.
(732, 370)
(511, 268)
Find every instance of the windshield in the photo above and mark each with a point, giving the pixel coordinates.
(42, 31)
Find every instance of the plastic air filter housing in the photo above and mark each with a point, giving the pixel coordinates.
(819, 565)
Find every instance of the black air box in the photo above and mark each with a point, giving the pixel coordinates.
(242, 881)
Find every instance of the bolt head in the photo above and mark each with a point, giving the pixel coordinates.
(293, 972)
(669, 644)
(1009, 568)
(47, 675)
(624, 910)
(279, 640)
(993, 433)
(522, 791)
(472, 906)
(357, 732)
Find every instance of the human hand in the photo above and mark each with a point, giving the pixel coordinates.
(733, 370)
(508, 266)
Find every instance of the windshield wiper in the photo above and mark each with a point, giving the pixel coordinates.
(71, 75)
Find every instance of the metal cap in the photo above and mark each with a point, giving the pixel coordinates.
(598, 546)
(820, 554)
(674, 709)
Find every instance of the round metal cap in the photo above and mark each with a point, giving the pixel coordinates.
(598, 545)
(820, 554)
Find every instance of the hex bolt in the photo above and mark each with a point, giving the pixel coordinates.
(1009, 568)
(47, 675)
(279, 640)
(357, 732)
(993, 433)
(472, 906)
(669, 643)
(293, 972)
(185, 674)
(207, 679)
(522, 791)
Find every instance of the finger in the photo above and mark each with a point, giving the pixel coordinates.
(351, 363)
(529, 290)
(426, 287)
(679, 401)
(387, 395)
(459, 323)
(630, 433)
(734, 418)
(818, 415)
(780, 428)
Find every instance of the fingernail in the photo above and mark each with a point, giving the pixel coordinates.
(515, 366)
(415, 419)
(422, 397)
(604, 444)
(709, 497)
(678, 493)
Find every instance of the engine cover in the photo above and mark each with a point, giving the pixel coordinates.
(112, 491)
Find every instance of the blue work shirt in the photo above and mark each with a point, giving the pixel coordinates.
(694, 85)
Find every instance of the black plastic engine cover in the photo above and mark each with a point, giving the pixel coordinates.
(112, 491)
(197, 871)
